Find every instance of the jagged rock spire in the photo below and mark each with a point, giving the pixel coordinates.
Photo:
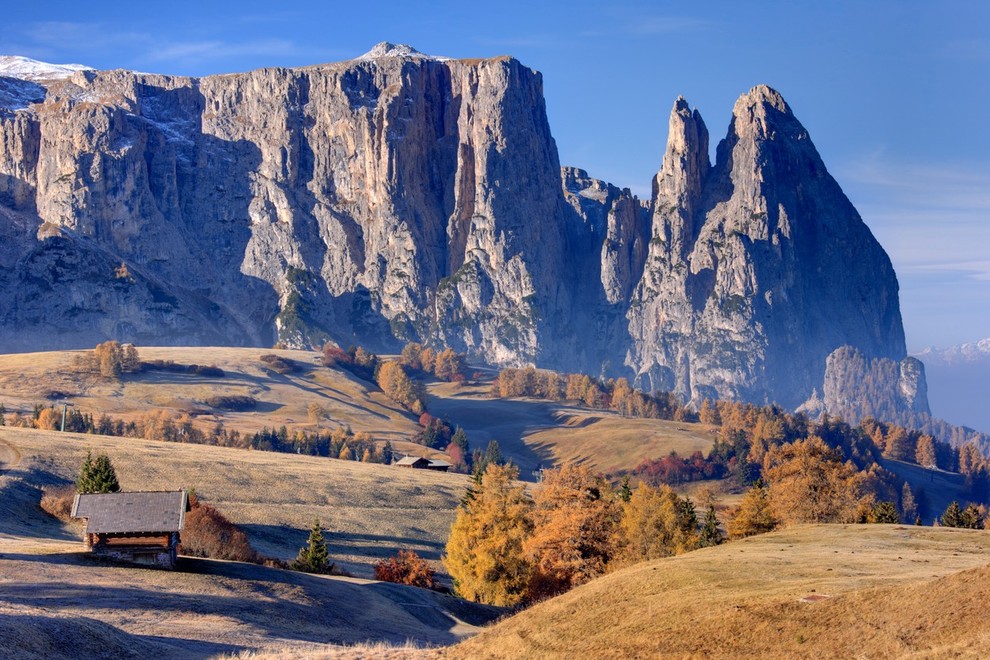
(678, 185)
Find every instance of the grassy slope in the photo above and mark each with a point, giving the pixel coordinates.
(894, 591)
(537, 433)
(371, 510)
(26, 378)
(532, 433)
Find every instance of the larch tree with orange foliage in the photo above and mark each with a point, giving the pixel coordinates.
(811, 483)
(574, 524)
(657, 523)
(484, 553)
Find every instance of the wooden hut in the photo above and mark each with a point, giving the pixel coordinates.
(420, 463)
(140, 528)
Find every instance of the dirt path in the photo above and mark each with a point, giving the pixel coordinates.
(10, 456)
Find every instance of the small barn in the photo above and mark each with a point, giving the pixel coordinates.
(140, 527)
(420, 463)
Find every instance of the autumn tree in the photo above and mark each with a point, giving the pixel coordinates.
(449, 365)
(574, 521)
(754, 514)
(811, 483)
(909, 509)
(406, 568)
(97, 475)
(484, 553)
(397, 385)
(313, 557)
(49, 419)
(925, 455)
(410, 356)
(657, 523)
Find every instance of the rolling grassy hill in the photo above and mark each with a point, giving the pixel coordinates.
(813, 591)
(56, 601)
(370, 510)
(532, 433)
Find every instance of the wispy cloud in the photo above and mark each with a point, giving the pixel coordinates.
(930, 218)
(221, 50)
(647, 26)
(652, 25)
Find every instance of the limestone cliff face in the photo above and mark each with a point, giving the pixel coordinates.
(401, 197)
(386, 198)
(760, 267)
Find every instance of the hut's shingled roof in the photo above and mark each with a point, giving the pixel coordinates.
(117, 513)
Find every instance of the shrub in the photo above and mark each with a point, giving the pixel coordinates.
(406, 568)
(57, 501)
(208, 533)
(278, 364)
(232, 402)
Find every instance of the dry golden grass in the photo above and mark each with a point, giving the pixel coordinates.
(370, 510)
(532, 433)
(535, 433)
(57, 604)
(283, 399)
(890, 591)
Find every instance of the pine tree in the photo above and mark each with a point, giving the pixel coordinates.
(97, 475)
(952, 516)
(3, 415)
(971, 517)
(313, 557)
(625, 492)
(387, 453)
(710, 534)
(883, 513)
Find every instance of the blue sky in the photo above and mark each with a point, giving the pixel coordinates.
(894, 94)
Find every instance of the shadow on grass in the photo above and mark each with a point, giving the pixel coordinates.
(270, 602)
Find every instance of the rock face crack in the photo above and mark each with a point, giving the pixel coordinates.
(402, 197)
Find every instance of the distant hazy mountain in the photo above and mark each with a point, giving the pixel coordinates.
(959, 383)
(399, 196)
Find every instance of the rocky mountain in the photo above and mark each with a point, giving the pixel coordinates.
(400, 196)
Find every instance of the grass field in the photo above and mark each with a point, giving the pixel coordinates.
(283, 399)
(831, 591)
(536, 433)
(371, 510)
(532, 433)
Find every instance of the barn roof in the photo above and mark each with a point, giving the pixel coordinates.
(411, 460)
(116, 513)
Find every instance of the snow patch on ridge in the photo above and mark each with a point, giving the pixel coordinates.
(388, 49)
(24, 68)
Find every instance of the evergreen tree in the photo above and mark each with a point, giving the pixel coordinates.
(97, 475)
(710, 534)
(387, 453)
(883, 513)
(625, 492)
(971, 517)
(313, 557)
(461, 440)
(952, 516)
(3, 415)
